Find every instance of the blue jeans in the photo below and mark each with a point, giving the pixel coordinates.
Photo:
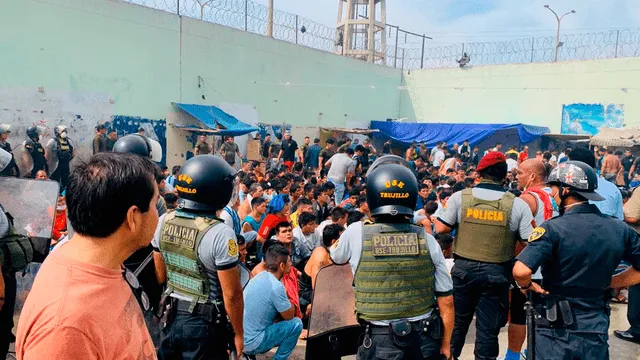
(339, 193)
(284, 335)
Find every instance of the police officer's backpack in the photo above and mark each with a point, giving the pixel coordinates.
(16, 250)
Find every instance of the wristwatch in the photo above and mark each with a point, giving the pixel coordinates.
(526, 287)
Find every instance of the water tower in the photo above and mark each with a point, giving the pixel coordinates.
(361, 31)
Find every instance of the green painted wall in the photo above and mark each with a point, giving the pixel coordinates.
(143, 59)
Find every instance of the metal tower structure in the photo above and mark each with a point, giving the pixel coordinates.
(361, 30)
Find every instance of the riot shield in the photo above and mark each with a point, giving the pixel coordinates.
(245, 275)
(32, 204)
(333, 328)
(23, 159)
(5, 159)
(51, 155)
(156, 150)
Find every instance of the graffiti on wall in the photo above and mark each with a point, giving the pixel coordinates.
(155, 129)
(79, 111)
(587, 119)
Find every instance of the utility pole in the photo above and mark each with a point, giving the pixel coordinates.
(270, 20)
(559, 18)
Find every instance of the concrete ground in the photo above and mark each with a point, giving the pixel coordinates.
(619, 349)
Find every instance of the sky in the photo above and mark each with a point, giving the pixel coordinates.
(457, 21)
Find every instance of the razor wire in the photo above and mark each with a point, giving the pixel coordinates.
(404, 50)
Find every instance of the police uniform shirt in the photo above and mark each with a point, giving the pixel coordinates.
(218, 250)
(579, 252)
(519, 220)
(349, 249)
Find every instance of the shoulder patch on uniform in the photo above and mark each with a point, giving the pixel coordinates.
(232, 248)
(536, 234)
(335, 244)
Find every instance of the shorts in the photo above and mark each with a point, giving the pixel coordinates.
(516, 309)
(288, 164)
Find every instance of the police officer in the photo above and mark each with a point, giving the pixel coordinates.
(11, 169)
(400, 272)
(35, 150)
(64, 153)
(489, 222)
(201, 256)
(7, 280)
(573, 311)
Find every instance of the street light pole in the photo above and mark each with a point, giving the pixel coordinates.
(559, 19)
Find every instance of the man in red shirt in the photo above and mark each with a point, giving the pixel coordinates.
(277, 212)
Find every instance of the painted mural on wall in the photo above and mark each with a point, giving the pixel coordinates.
(155, 129)
(44, 108)
(587, 119)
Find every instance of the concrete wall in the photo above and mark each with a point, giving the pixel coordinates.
(90, 60)
(538, 94)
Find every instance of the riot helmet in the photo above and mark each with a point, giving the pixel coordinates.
(205, 183)
(60, 131)
(392, 188)
(5, 129)
(5, 159)
(32, 132)
(578, 177)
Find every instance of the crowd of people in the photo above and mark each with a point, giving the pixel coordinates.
(194, 236)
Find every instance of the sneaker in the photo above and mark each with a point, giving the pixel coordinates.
(627, 336)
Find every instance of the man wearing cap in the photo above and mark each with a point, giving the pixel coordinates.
(11, 169)
(490, 221)
(578, 252)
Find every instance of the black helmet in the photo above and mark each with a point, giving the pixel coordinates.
(133, 144)
(578, 177)
(392, 188)
(32, 132)
(205, 183)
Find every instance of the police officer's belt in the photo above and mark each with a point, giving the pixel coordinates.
(417, 326)
(207, 311)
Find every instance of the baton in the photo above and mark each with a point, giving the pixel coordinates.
(531, 327)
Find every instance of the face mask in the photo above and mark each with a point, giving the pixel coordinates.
(63, 135)
(61, 208)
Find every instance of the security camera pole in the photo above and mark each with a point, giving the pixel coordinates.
(559, 18)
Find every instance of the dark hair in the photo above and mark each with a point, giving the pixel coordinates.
(338, 213)
(158, 174)
(306, 218)
(298, 166)
(547, 155)
(495, 172)
(280, 225)
(170, 199)
(423, 186)
(584, 155)
(354, 192)
(304, 201)
(459, 186)
(308, 187)
(330, 141)
(331, 232)
(316, 141)
(294, 187)
(451, 181)
(102, 189)
(431, 207)
(268, 244)
(257, 201)
(354, 216)
(240, 240)
(445, 193)
(360, 148)
(100, 127)
(349, 151)
(445, 240)
(176, 169)
(329, 186)
(276, 255)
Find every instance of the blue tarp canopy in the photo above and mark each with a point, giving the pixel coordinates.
(431, 133)
(216, 119)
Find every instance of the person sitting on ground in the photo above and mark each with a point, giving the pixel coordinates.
(255, 191)
(253, 221)
(277, 212)
(304, 205)
(425, 216)
(306, 231)
(171, 201)
(321, 203)
(338, 216)
(351, 202)
(446, 244)
(266, 303)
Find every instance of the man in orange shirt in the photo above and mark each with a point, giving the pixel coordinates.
(83, 305)
(611, 166)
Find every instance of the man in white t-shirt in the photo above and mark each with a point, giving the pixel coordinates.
(512, 161)
(438, 157)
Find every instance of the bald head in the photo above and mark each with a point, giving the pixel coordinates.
(531, 172)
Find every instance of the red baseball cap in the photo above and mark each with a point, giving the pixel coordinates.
(492, 158)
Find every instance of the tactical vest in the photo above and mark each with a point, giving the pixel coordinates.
(483, 233)
(179, 241)
(395, 275)
(16, 250)
(65, 150)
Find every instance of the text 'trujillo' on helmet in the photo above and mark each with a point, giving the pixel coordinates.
(205, 183)
(392, 187)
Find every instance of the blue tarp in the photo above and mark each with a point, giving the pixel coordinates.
(431, 133)
(216, 119)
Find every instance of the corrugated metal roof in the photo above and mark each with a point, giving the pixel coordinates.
(625, 137)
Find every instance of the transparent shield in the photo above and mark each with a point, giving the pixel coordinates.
(156, 150)
(32, 204)
(5, 159)
(51, 155)
(23, 159)
(334, 300)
